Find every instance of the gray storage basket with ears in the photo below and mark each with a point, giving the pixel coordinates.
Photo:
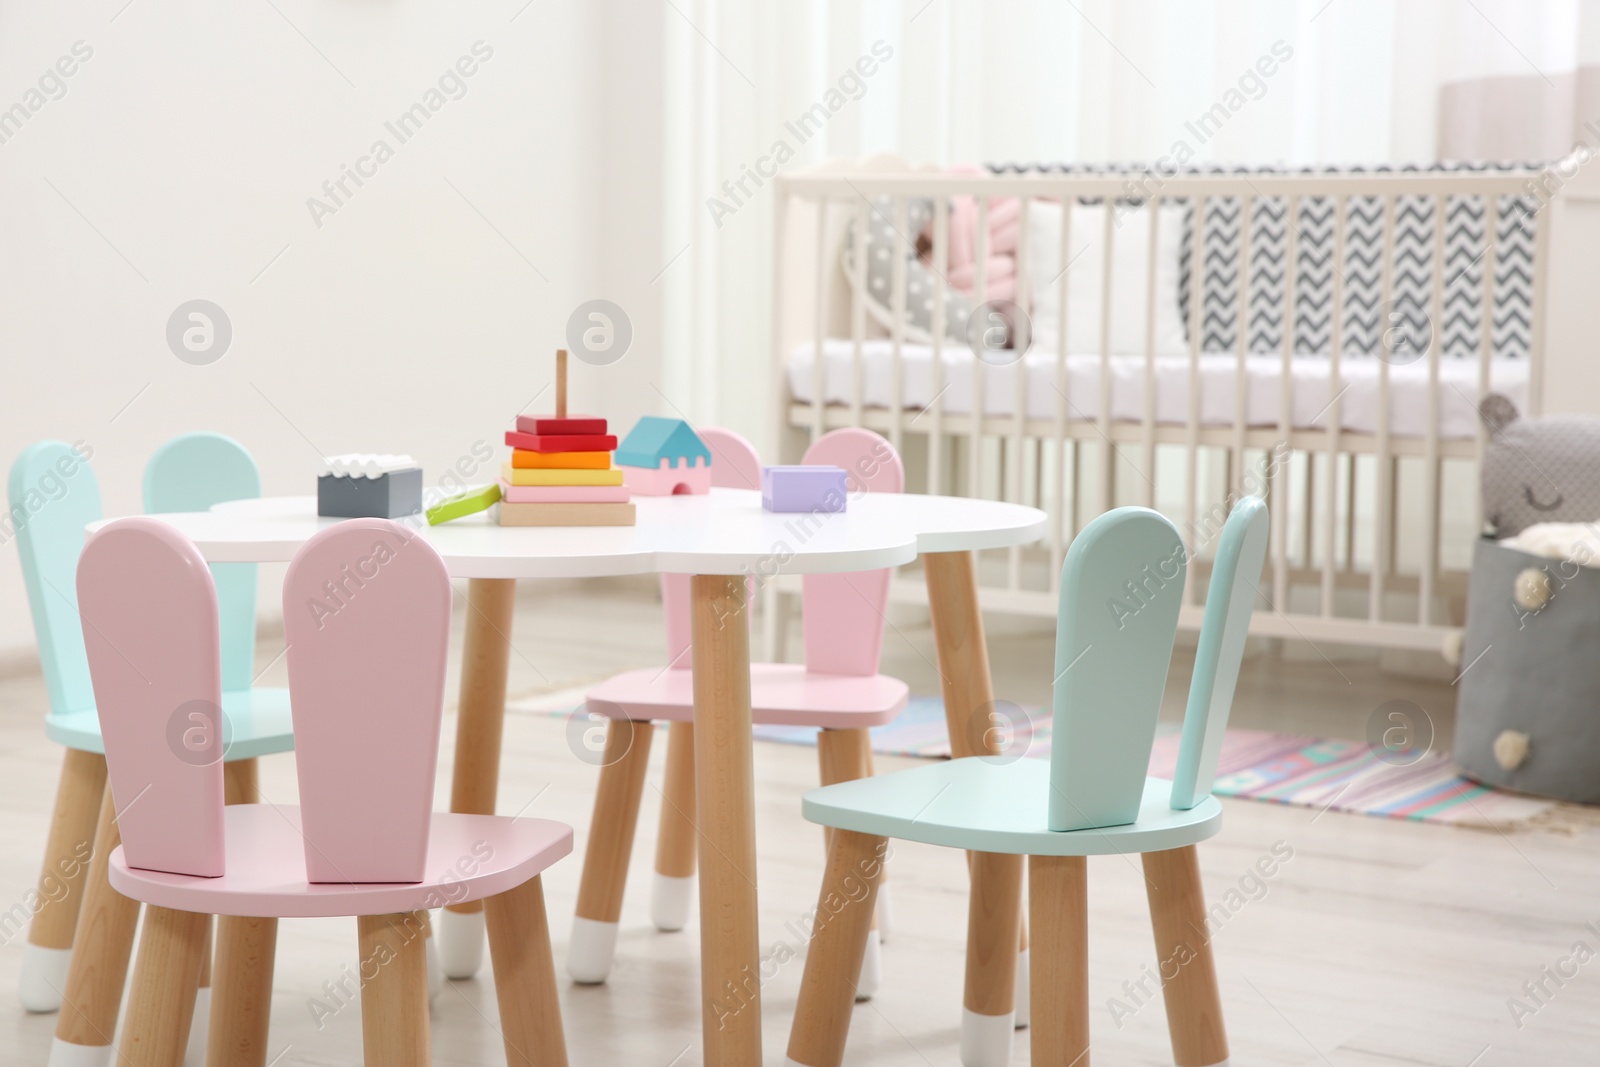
(1528, 710)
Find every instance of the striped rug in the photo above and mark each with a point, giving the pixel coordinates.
(1291, 769)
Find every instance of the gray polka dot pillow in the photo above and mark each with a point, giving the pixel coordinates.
(884, 246)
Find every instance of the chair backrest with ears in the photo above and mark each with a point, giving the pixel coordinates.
(191, 473)
(149, 619)
(366, 610)
(1121, 586)
(735, 464)
(1230, 600)
(52, 494)
(844, 615)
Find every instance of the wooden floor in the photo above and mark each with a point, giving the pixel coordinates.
(1378, 942)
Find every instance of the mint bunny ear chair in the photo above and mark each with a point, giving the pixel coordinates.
(53, 495)
(1121, 587)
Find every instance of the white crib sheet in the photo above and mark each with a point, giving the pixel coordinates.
(1358, 376)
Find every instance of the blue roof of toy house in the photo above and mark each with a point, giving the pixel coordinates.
(654, 438)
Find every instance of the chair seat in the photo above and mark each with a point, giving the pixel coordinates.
(469, 857)
(987, 806)
(257, 724)
(781, 694)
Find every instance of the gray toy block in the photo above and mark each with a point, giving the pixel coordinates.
(1537, 676)
(388, 496)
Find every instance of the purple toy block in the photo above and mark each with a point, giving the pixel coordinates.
(808, 488)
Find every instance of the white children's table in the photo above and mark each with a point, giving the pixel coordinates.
(720, 539)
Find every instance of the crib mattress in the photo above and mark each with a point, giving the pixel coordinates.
(1310, 408)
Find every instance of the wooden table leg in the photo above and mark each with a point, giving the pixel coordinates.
(485, 658)
(48, 952)
(968, 691)
(730, 964)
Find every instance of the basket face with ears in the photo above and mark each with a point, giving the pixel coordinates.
(735, 464)
(51, 496)
(366, 608)
(194, 472)
(149, 618)
(1230, 601)
(844, 615)
(1121, 587)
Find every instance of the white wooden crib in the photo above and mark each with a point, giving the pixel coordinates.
(1369, 464)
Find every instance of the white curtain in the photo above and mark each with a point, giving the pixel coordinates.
(941, 81)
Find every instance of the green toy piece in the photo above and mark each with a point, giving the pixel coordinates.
(464, 504)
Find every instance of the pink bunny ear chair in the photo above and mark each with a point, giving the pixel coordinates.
(367, 615)
(837, 690)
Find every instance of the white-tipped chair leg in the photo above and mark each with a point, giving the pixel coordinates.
(885, 912)
(199, 1029)
(670, 902)
(871, 968)
(986, 1039)
(44, 976)
(435, 970)
(460, 937)
(1021, 999)
(66, 1054)
(591, 949)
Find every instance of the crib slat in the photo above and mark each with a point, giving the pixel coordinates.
(1330, 528)
(1383, 498)
(1151, 296)
(1191, 478)
(897, 332)
(1061, 529)
(1491, 232)
(1241, 391)
(1430, 540)
(941, 269)
(819, 395)
(858, 310)
(1019, 411)
(1283, 488)
(1108, 468)
(980, 293)
(1541, 299)
(780, 384)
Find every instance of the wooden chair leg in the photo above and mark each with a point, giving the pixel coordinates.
(677, 845)
(241, 1003)
(480, 724)
(605, 858)
(1183, 949)
(200, 1018)
(844, 756)
(525, 977)
(394, 992)
(994, 917)
(48, 953)
(838, 945)
(102, 947)
(161, 1005)
(1058, 903)
(968, 692)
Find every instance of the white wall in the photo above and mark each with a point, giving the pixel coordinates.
(178, 165)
